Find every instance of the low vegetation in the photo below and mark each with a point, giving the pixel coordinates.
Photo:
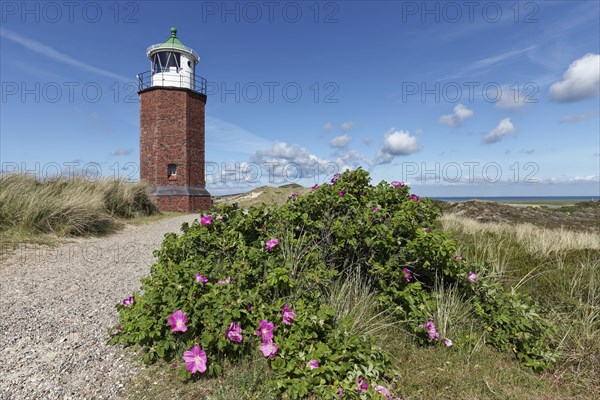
(31, 210)
(263, 195)
(364, 290)
(558, 268)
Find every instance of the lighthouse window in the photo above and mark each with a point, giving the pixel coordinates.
(172, 170)
(164, 60)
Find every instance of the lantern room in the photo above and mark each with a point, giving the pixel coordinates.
(172, 64)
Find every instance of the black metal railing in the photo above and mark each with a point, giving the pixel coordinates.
(148, 79)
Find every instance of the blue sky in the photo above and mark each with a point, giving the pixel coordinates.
(457, 98)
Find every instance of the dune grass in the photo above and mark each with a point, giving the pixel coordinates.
(561, 270)
(31, 210)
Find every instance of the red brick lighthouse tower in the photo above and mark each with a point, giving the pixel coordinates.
(172, 100)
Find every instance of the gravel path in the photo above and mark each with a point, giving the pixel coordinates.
(56, 306)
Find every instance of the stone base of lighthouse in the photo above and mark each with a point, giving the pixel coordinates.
(182, 198)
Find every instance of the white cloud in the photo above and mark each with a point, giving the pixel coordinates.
(504, 128)
(55, 55)
(339, 142)
(283, 161)
(122, 152)
(512, 99)
(486, 63)
(587, 178)
(346, 126)
(492, 60)
(458, 116)
(328, 127)
(351, 160)
(396, 143)
(400, 143)
(565, 119)
(580, 81)
(366, 140)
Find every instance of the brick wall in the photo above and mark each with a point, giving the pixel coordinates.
(172, 132)
(183, 203)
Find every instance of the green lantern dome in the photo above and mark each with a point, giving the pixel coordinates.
(172, 44)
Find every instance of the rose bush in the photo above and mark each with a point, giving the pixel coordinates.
(240, 283)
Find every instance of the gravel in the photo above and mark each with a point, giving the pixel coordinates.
(56, 306)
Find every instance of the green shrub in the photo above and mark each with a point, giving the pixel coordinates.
(380, 234)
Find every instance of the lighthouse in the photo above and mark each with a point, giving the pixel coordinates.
(172, 102)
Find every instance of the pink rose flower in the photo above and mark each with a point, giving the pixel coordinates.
(413, 197)
(408, 274)
(234, 333)
(177, 321)
(288, 315)
(128, 302)
(313, 364)
(472, 277)
(201, 278)
(271, 244)
(269, 349)
(195, 360)
(314, 187)
(397, 184)
(432, 333)
(295, 195)
(335, 178)
(224, 281)
(206, 220)
(342, 193)
(362, 384)
(265, 330)
(375, 209)
(448, 342)
(381, 390)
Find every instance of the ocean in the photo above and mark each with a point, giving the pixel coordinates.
(520, 199)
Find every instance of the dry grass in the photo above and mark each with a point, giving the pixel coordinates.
(536, 241)
(68, 206)
(557, 267)
(354, 301)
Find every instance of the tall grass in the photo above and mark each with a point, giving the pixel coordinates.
(560, 269)
(535, 240)
(356, 303)
(68, 206)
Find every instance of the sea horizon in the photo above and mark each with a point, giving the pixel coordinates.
(515, 198)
